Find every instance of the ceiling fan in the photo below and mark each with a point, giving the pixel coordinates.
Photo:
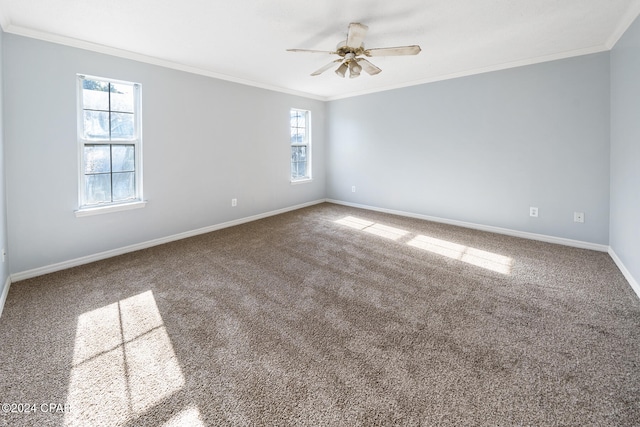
(351, 50)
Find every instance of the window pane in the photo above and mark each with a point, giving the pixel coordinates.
(297, 135)
(99, 85)
(95, 100)
(122, 126)
(298, 154)
(122, 98)
(298, 170)
(96, 125)
(298, 119)
(123, 158)
(123, 186)
(97, 188)
(95, 95)
(96, 159)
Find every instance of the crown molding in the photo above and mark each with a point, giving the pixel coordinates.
(475, 71)
(625, 22)
(121, 53)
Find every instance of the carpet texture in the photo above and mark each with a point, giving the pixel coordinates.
(327, 316)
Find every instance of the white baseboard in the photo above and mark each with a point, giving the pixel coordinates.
(627, 274)
(492, 229)
(119, 251)
(5, 292)
(144, 245)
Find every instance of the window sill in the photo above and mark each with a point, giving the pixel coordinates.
(301, 181)
(98, 210)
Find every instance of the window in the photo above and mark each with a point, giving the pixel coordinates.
(300, 145)
(109, 135)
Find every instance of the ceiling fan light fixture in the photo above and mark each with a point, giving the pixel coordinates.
(354, 69)
(342, 69)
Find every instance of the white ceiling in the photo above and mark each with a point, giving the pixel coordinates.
(246, 40)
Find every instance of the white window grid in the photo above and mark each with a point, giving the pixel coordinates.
(300, 126)
(134, 140)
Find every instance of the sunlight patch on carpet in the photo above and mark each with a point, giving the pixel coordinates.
(477, 257)
(123, 363)
(373, 228)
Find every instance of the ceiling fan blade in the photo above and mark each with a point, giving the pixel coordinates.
(325, 68)
(356, 34)
(394, 51)
(311, 51)
(368, 67)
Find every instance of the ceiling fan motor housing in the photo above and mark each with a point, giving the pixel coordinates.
(342, 49)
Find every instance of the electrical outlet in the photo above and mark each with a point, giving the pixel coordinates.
(353, 188)
(533, 211)
(234, 202)
(578, 217)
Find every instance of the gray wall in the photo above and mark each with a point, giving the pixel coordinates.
(483, 149)
(4, 270)
(205, 141)
(625, 149)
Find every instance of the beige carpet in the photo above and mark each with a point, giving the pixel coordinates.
(327, 316)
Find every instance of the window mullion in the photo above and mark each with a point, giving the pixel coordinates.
(110, 146)
(111, 168)
(109, 119)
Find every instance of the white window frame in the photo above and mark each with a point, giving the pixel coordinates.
(85, 209)
(306, 143)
